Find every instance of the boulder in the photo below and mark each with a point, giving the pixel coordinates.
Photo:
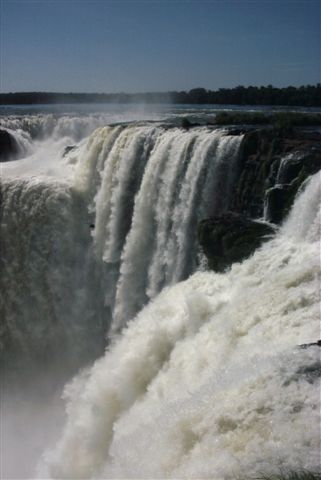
(230, 238)
(9, 148)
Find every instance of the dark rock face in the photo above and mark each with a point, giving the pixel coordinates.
(9, 149)
(236, 131)
(293, 171)
(278, 201)
(230, 238)
(273, 164)
(274, 159)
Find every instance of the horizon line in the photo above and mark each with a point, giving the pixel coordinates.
(154, 91)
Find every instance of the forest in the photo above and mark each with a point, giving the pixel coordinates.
(305, 96)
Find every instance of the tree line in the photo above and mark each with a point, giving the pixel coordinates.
(306, 95)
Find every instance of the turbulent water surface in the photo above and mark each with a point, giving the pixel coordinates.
(202, 375)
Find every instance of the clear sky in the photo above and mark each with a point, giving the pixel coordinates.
(136, 46)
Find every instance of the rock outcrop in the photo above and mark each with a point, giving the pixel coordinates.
(293, 171)
(230, 238)
(273, 165)
(9, 149)
(274, 159)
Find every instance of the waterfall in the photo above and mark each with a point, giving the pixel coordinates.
(153, 186)
(87, 239)
(199, 375)
(209, 381)
(42, 127)
(46, 306)
(88, 251)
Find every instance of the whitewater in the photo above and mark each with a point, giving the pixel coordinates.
(209, 380)
(184, 373)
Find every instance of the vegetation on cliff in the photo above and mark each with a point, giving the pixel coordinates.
(279, 120)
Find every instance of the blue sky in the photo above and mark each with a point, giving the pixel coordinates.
(136, 46)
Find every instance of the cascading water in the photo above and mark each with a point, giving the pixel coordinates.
(89, 237)
(141, 190)
(45, 263)
(156, 183)
(207, 380)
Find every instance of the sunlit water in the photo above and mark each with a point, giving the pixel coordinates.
(202, 378)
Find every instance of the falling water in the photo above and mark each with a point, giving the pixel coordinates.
(154, 184)
(209, 381)
(203, 376)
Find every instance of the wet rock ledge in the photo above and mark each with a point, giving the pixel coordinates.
(9, 148)
(272, 167)
(230, 238)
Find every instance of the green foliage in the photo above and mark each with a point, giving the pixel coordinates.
(284, 120)
(242, 118)
(291, 119)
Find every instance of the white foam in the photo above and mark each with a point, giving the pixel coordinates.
(208, 381)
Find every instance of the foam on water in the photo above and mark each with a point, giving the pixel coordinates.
(79, 255)
(43, 137)
(208, 380)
